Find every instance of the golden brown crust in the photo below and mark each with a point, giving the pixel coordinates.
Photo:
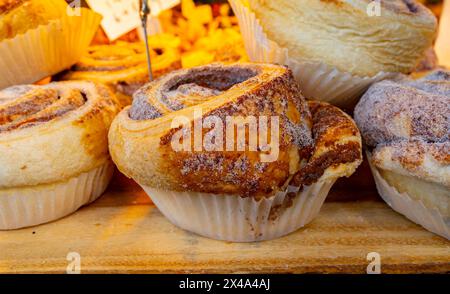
(246, 90)
(346, 35)
(337, 144)
(123, 65)
(141, 139)
(36, 106)
(8, 5)
(53, 132)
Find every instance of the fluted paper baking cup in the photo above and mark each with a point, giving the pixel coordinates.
(46, 50)
(317, 80)
(429, 218)
(237, 219)
(30, 206)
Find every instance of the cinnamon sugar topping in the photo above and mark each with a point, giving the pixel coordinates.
(27, 105)
(409, 124)
(186, 88)
(391, 111)
(246, 91)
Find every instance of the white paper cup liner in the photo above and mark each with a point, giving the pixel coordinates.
(317, 80)
(30, 206)
(237, 219)
(46, 50)
(429, 218)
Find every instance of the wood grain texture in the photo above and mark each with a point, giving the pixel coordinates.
(123, 232)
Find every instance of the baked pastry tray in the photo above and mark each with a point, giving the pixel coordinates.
(123, 232)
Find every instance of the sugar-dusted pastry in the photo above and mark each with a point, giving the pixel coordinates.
(39, 38)
(406, 126)
(337, 49)
(53, 150)
(234, 152)
(123, 65)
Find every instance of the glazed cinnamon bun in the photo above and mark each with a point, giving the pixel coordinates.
(123, 66)
(53, 150)
(228, 140)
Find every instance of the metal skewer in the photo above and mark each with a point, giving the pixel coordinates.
(144, 12)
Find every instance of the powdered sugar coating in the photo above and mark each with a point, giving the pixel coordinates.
(408, 123)
(429, 161)
(184, 88)
(14, 92)
(438, 75)
(391, 111)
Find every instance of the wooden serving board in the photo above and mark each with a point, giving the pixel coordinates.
(123, 232)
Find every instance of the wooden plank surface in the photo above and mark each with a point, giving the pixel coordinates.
(123, 232)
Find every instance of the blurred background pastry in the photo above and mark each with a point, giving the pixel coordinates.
(406, 127)
(337, 49)
(208, 33)
(191, 35)
(343, 35)
(19, 16)
(123, 65)
(41, 38)
(434, 5)
(53, 150)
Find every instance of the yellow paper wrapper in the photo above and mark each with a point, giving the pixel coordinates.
(30, 206)
(46, 50)
(318, 81)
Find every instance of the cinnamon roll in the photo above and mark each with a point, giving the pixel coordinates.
(123, 65)
(218, 147)
(53, 150)
(406, 126)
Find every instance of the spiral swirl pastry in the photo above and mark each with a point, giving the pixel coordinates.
(142, 136)
(54, 132)
(123, 66)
